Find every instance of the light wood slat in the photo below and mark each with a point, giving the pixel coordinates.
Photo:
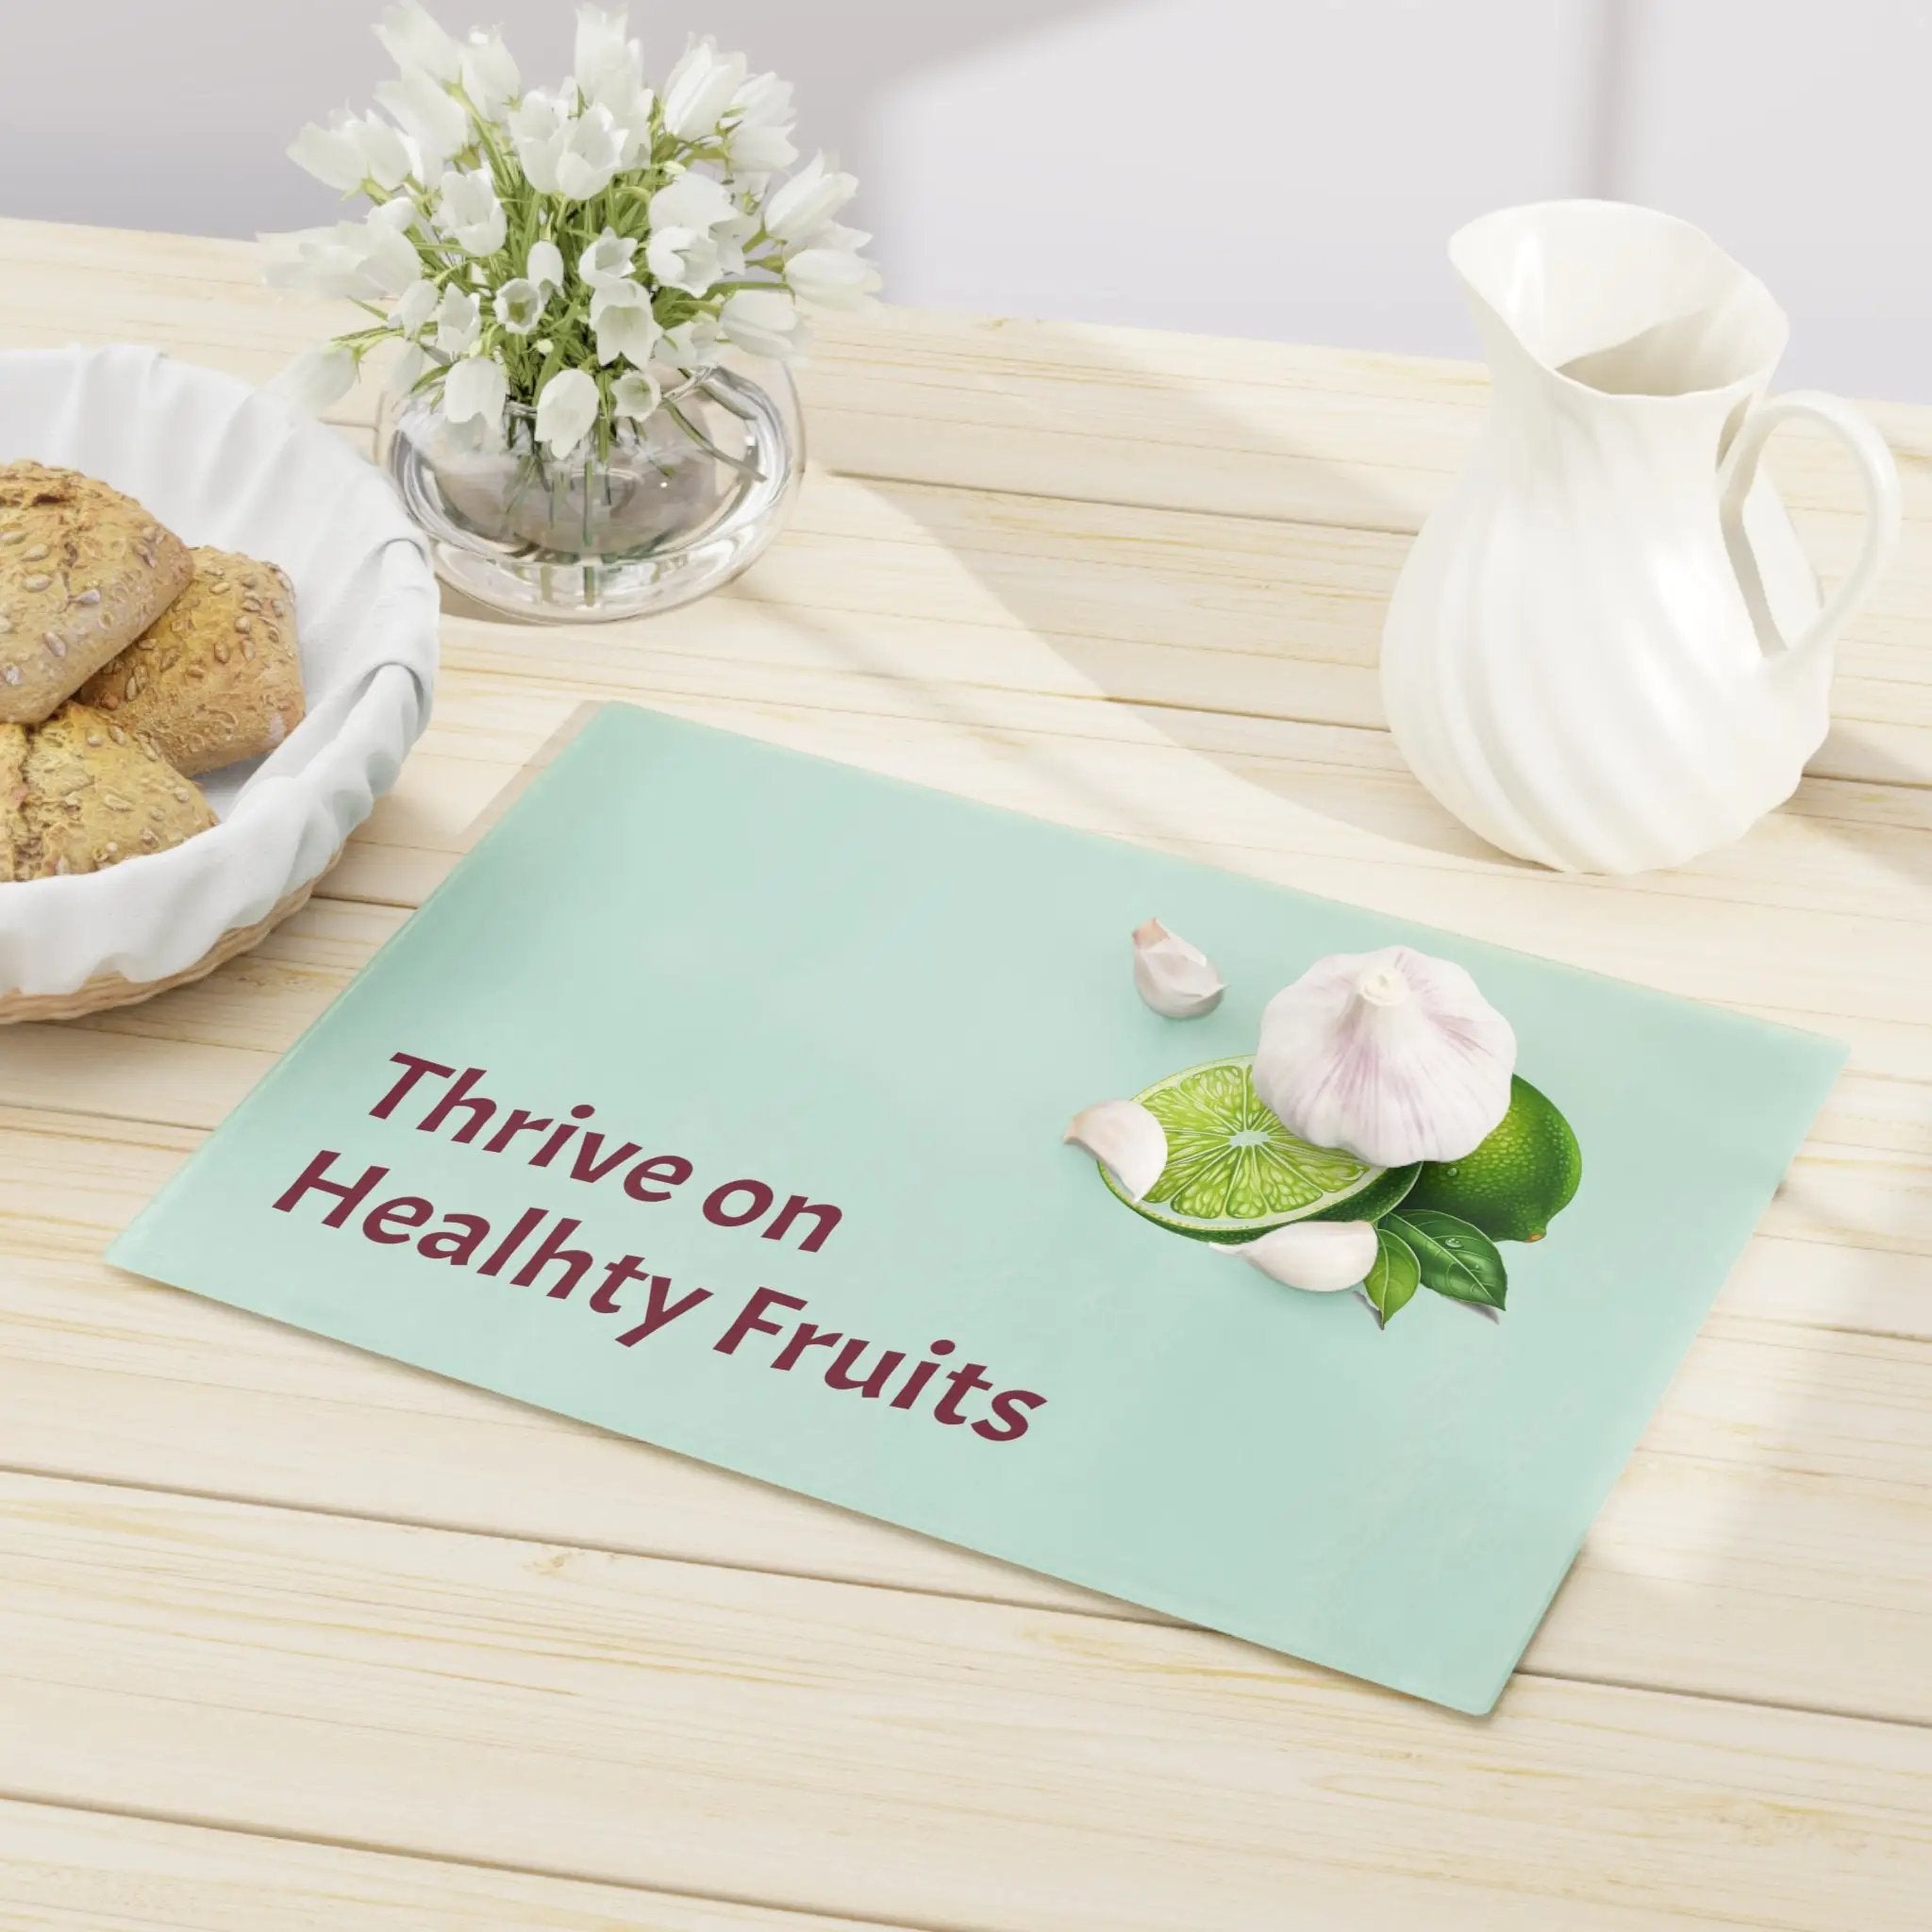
(1221, 613)
(1289, 634)
(202, 300)
(67, 1871)
(1840, 846)
(705, 1730)
(199, 298)
(207, 304)
(1878, 737)
(1205, 588)
(1876, 727)
(1078, 410)
(1768, 1541)
(1245, 428)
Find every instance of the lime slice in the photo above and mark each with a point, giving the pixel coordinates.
(1234, 1172)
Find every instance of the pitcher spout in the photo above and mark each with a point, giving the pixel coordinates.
(1617, 301)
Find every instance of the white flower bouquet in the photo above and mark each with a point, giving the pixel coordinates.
(583, 251)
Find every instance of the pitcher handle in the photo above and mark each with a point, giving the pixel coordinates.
(1876, 471)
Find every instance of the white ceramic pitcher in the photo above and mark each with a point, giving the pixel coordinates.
(1607, 651)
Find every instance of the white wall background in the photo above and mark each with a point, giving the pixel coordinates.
(1283, 168)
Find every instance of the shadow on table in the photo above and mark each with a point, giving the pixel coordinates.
(1249, 640)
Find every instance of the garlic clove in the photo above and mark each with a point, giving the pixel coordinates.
(1392, 1057)
(1176, 980)
(1318, 1256)
(1125, 1139)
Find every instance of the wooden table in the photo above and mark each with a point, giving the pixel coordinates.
(291, 1637)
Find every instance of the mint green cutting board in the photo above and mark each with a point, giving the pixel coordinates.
(889, 1001)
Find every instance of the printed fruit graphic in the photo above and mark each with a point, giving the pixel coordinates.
(1376, 1199)
(1517, 1181)
(1234, 1172)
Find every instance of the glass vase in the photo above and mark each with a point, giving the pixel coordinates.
(672, 507)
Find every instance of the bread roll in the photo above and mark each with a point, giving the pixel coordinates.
(83, 571)
(80, 792)
(217, 677)
(12, 801)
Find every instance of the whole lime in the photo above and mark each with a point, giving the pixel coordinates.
(1517, 1181)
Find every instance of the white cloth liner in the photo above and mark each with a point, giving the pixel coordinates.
(221, 463)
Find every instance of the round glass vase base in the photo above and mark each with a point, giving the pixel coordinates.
(670, 511)
(556, 589)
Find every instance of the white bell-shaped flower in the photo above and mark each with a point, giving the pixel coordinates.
(566, 407)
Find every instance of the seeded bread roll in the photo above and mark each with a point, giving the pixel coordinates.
(83, 571)
(12, 801)
(80, 792)
(216, 678)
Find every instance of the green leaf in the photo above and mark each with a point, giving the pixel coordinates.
(1392, 1281)
(1457, 1259)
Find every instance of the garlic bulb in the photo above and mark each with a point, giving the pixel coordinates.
(1176, 980)
(1319, 1257)
(1392, 1057)
(1125, 1139)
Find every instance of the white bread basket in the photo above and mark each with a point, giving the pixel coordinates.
(224, 464)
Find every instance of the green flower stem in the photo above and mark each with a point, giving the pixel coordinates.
(742, 465)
